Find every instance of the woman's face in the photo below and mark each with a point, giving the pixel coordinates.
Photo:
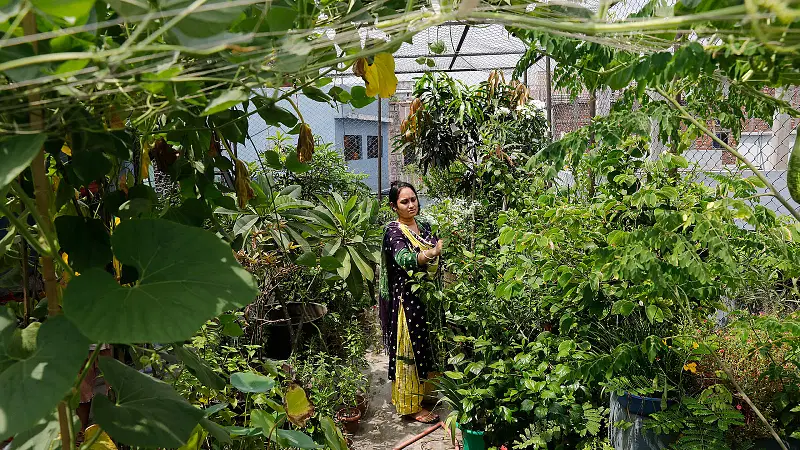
(407, 204)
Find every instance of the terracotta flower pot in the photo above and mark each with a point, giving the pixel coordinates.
(350, 418)
(362, 404)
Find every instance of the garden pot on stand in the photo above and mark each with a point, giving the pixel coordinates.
(278, 342)
(473, 440)
(350, 418)
(636, 410)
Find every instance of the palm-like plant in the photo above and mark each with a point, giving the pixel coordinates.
(350, 240)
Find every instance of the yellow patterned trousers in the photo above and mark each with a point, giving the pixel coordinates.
(408, 391)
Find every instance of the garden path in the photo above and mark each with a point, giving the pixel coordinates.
(382, 429)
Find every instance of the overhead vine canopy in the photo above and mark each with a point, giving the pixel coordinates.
(140, 59)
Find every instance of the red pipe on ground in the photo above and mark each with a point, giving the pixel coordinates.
(411, 440)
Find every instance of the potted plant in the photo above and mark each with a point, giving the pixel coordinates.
(350, 418)
(469, 419)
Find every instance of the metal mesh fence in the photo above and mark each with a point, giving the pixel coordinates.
(469, 54)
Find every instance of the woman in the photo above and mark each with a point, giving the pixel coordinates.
(408, 246)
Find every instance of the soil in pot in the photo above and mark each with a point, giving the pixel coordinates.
(350, 418)
(278, 341)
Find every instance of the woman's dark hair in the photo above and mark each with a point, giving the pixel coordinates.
(394, 192)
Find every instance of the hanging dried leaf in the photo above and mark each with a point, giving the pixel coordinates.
(360, 67)
(164, 154)
(305, 144)
(416, 104)
(114, 121)
(214, 148)
(144, 164)
(243, 190)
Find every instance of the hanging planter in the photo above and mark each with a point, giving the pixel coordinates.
(279, 340)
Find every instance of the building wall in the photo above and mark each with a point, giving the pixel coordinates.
(329, 124)
(367, 165)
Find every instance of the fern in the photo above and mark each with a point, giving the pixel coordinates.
(701, 438)
(593, 419)
(538, 435)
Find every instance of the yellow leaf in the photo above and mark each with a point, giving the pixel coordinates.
(66, 277)
(691, 367)
(103, 442)
(298, 408)
(66, 150)
(195, 441)
(380, 77)
(242, 184)
(144, 171)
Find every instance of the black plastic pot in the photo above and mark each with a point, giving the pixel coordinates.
(772, 444)
(278, 340)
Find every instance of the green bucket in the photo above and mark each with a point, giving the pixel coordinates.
(473, 440)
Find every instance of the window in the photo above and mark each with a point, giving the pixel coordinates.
(373, 148)
(722, 137)
(352, 147)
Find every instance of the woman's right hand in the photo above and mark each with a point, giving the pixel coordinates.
(438, 249)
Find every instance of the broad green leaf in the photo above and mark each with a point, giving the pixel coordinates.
(87, 242)
(280, 18)
(65, 8)
(229, 326)
(200, 369)
(330, 263)
(355, 284)
(359, 98)
(273, 114)
(17, 153)
(186, 276)
(91, 165)
(225, 101)
(343, 256)
(621, 77)
(42, 436)
(252, 382)
(333, 435)
(294, 165)
(23, 342)
(265, 421)
(307, 259)
(216, 431)
(654, 313)
(454, 375)
(273, 160)
(204, 24)
(363, 266)
(147, 412)
(298, 439)
(624, 307)
(31, 387)
(244, 224)
(298, 408)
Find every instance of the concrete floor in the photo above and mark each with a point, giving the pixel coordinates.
(382, 428)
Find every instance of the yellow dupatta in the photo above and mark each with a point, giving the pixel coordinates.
(421, 245)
